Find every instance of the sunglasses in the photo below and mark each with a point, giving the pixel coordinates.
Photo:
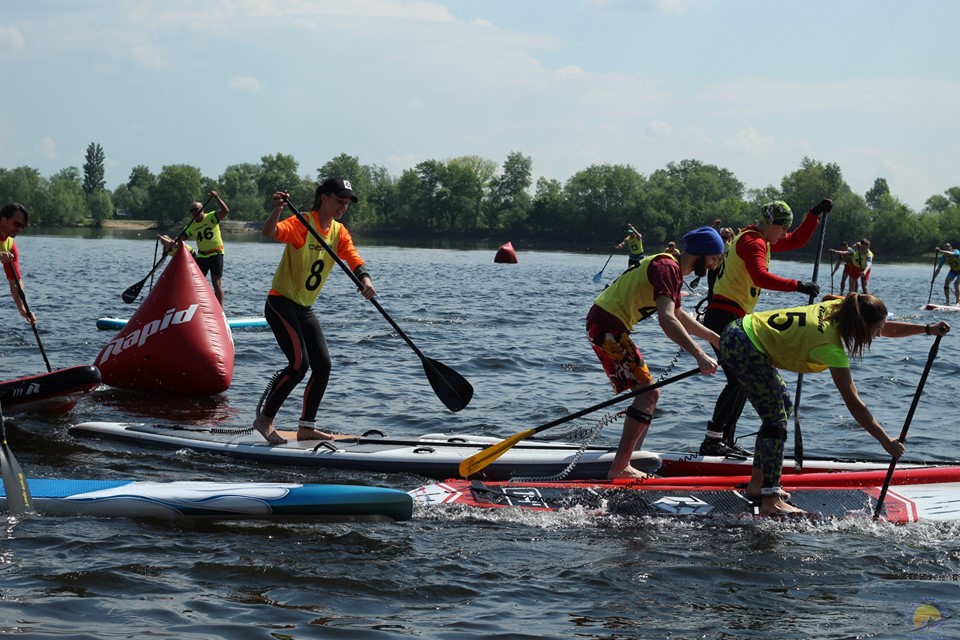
(194, 210)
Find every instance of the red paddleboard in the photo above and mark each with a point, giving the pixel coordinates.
(914, 495)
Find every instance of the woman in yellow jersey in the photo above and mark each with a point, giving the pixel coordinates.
(303, 270)
(651, 287)
(805, 339)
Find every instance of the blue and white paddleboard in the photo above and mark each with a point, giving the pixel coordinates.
(215, 500)
(115, 324)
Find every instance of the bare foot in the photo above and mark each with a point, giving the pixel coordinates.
(265, 427)
(774, 506)
(628, 473)
(307, 433)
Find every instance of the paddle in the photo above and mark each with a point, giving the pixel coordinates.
(14, 483)
(596, 278)
(906, 424)
(934, 278)
(23, 298)
(133, 290)
(797, 436)
(480, 460)
(833, 270)
(451, 388)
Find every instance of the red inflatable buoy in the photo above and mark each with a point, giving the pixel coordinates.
(506, 254)
(177, 341)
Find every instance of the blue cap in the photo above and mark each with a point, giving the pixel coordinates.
(703, 241)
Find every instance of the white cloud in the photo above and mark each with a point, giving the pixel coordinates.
(913, 98)
(659, 129)
(147, 55)
(47, 148)
(11, 39)
(245, 83)
(750, 141)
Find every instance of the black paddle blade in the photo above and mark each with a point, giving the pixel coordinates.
(132, 292)
(452, 388)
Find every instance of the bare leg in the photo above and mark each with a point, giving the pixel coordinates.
(218, 289)
(634, 432)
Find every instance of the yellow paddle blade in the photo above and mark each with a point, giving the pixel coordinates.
(478, 461)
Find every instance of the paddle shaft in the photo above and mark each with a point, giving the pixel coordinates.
(596, 278)
(933, 279)
(906, 424)
(33, 325)
(797, 435)
(452, 388)
(343, 265)
(14, 483)
(480, 460)
(131, 292)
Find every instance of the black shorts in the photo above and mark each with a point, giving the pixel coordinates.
(212, 264)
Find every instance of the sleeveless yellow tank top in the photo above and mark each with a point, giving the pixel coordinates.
(207, 234)
(630, 296)
(733, 280)
(860, 259)
(800, 339)
(303, 272)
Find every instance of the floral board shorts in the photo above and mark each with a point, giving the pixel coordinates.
(620, 357)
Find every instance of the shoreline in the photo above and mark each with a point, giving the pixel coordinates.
(228, 226)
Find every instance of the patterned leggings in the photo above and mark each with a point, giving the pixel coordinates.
(767, 393)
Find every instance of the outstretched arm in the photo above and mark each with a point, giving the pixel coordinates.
(843, 379)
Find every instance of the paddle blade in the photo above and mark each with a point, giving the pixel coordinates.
(481, 460)
(14, 483)
(596, 278)
(453, 389)
(132, 292)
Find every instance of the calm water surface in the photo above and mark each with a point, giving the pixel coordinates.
(516, 331)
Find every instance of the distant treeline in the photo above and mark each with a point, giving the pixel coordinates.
(472, 197)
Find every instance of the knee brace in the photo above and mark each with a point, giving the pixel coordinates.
(644, 417)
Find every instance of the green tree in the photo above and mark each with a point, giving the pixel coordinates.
(93, 171)
(874, 195)
(383, 197)
(134, 195)
(604, 198)
(690, 194)
(100, 206)
(66, 201)
(508, 201)
(177, 186)
(277, 172)
(548, 205)
(895, 230)
(26, 186)
(240, 190)
(810, 184)
(467, 178)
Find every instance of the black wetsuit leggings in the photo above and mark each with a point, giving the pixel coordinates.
(301, 339)
(732, 398)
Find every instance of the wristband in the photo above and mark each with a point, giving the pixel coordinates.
(927, 329)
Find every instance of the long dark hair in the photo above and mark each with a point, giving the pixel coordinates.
(855, 318)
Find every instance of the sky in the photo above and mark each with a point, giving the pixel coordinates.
(752, 86)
